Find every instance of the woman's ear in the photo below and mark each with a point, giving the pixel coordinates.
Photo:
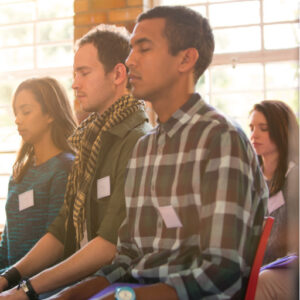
(188, 60)
(119, 73)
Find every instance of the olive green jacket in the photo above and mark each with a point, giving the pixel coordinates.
(105, 215)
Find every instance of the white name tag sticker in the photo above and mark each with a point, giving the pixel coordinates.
(275, 202)
(103, 187)
(170, 217)
(26, 200)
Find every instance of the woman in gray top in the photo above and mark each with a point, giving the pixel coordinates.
(275, 138)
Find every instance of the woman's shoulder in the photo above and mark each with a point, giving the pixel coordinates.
(291, 185)
(63, 161)
(293, 169)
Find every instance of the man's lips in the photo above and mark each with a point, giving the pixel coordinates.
(133, 77)
(80, 96)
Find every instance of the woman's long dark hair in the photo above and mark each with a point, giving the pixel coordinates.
(284, 132)
(54, 101)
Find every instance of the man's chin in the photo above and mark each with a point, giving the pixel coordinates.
(86, 109)
(137, 94)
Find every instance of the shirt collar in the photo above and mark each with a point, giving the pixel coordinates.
(182, 116)
(128, 124)
(120, 130)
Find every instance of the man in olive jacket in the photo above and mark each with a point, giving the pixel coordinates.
(85, 233)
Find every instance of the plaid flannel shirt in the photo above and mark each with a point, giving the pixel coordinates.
(203, 166)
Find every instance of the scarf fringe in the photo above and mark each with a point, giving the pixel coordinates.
(87, 139)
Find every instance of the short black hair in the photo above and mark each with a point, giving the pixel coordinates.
(185, 28)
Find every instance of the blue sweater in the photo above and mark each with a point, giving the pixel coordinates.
(25, 227)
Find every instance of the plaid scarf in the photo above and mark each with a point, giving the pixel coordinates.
(87, 140)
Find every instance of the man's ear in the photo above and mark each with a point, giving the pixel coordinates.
(119, 73)
(49, 119)
(188, 60)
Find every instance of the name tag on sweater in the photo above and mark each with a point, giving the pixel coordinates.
(26, 200)
(275, 202)
(169, 216)
(103, 187)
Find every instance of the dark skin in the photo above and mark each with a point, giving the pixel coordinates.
(149, 32)
(93, 285)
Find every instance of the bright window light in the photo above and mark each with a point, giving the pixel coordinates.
(36, 39)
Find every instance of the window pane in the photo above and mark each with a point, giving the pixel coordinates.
(180, 2)
(212, 1)
(66, 81)
(24, 24)
(7, 88)
(10, 139)
(281, 36)
(234, 13)
(55, 31)
(242, 77)
(200, 9)
(6, 117)
(55, 8)
(7, 161)
(202, 86)
(237, 105)
(290, 96)
(7, 1)
(55, 56)
(281, 75)
(16, 59)
(237, 39)
(19, 12)
(16, 35)
(3, 190)
(280, 10)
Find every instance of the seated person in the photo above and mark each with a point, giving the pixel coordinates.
(195, 195)
(84, 235)
(275, 137)
(37, 186)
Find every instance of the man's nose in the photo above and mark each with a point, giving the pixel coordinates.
(130, 61)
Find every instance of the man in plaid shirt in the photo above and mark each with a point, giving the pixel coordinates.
(195, 196)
